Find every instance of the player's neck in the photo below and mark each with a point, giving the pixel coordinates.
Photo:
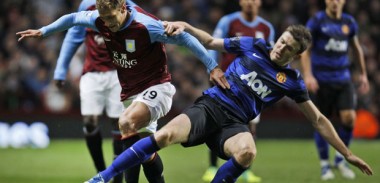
(334, 15)
(249, 16)
(127, 15)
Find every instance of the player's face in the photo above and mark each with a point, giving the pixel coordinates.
(113, 18)
(334, 6)
(284, 50)
(250, 6)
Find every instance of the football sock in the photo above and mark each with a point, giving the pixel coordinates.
(132, 174)
(322, 146)
(117, 145)
(94, 145)
(213, 159)
(228, 172)
(154, 169)
(345, 133)
(138, 153)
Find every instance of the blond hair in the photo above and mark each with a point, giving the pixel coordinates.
(300, 34)
(109, 4)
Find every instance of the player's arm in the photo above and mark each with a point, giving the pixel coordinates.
(157, 33)
(73, 39)
(220, 31)
(364, 85)
(175, 28)
(325, 128)
(84, 18)
(310, 81)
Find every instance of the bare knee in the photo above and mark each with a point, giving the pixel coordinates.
(90, 124)
(245, 155)
(164, 138)
(348, 118)
(128, 124)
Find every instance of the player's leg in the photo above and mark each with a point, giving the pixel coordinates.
(117, 146)
(92, 106)
(212, 169)
(242, 151)
(325, 101)
(176, 131)
(114, 109)
(248, 175)
(93, 139)
(154, 103)
(346, 106)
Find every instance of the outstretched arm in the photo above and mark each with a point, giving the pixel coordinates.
(325, 128)
(175, 28)
(185, 39)
(84, 18)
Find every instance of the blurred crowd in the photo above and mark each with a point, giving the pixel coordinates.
(26, 68)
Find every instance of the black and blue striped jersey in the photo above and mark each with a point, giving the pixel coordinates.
(256, 82)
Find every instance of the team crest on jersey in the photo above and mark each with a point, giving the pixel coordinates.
(130, 45)
(345, 29)
(281, 77)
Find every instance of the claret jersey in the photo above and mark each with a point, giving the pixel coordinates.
(256, 82)
(331, 40)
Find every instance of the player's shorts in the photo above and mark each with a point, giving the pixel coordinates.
(159, 100)
(331, 97)
(100, 91)
(212, 124)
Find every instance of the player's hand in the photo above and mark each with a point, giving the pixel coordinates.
(173, 28)
(217, 77)
(364, 84)
(29, 33)
(60, 83)
(362, 165)
(311, 83)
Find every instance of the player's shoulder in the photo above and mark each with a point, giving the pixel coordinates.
(87, 5)
(320, 15)
(264, 21)
(141, 16)
(348, 17)
(230, 17)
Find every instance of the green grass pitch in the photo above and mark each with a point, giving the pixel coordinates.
(278, 161)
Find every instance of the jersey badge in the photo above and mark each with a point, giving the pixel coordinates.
(345, 29)
(281, 77)
(130, 45)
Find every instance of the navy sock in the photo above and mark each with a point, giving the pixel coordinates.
(322, 146)
(345, 133)
(228, 172)
(134, 155)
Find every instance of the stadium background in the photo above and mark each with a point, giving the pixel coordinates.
(26, 69)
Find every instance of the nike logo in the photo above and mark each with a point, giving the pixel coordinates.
(255, 55)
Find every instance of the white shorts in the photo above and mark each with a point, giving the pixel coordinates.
(159, 100)
(99, 91)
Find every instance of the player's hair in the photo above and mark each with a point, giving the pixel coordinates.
(302, 35)
(109, 4)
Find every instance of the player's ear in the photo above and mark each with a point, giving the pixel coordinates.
(123, 8)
